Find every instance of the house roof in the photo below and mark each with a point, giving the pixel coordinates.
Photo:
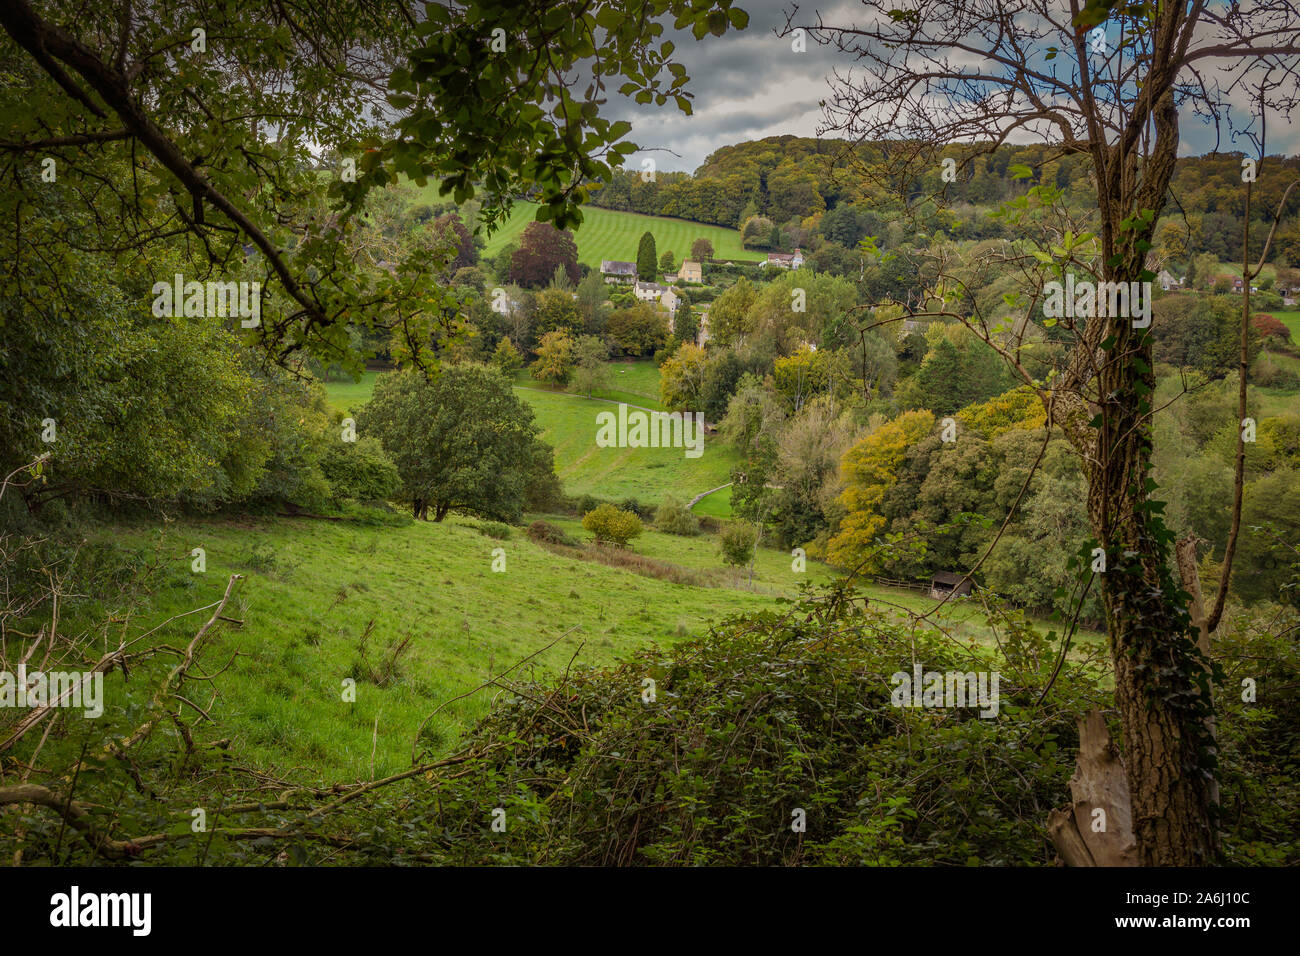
(649, 286)
(947, 577)
(617, 268)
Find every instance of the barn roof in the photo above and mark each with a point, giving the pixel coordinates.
(947, 577)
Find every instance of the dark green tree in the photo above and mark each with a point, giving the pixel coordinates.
(647, 260)
(686, 324)
(461, 441)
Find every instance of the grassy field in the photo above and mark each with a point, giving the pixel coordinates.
(1291, 320)
(635, 381)
(316, 591)
(569, 425)
(610, 234)
(647, 474)
(324, 602)
(715, 505)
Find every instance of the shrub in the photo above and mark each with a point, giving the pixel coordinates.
(496, 529)
(543, 532)
(609, 524)
(886, 786)
(359, 470)
(737, 544)
(638, 509)
(1269, 373)
(673, 518)
(709, 524)
(1270, 327)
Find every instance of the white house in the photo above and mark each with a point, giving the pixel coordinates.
(648, 291)
(1168, 280)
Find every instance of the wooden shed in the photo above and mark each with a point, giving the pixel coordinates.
(943, 583)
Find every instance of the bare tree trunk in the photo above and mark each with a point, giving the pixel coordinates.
(1098, 828)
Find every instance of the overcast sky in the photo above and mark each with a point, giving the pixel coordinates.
(749, 84)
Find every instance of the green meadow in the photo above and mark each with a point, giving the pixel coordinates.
(611, 234)
(415, 615)
(323, 602)
(1291, 319)
(569, 426)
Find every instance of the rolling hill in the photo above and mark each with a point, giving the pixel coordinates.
(609, 234)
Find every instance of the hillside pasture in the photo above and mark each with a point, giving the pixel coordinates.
(610, 234)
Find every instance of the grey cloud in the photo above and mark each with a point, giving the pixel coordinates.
(750, 84)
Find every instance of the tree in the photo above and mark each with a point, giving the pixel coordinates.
(593, 302)
(359, 470)
(612, 525)
(554, 358)
(737, 543)
(667, 263)
(681, 377)
(1270, 327)
(686, 326)
(542, 250)
(460, 441)
(1126, 125)
(729, 317)
(1273, 515)
(802, 376)
(756, 233)
(701, 249)
(451, 230)
(637, 330)
(804, 468)
(506, 358)
(554, 310)
(646, 258)
(844, 225)
(591, 364)
(869, 469)
(560, 280)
